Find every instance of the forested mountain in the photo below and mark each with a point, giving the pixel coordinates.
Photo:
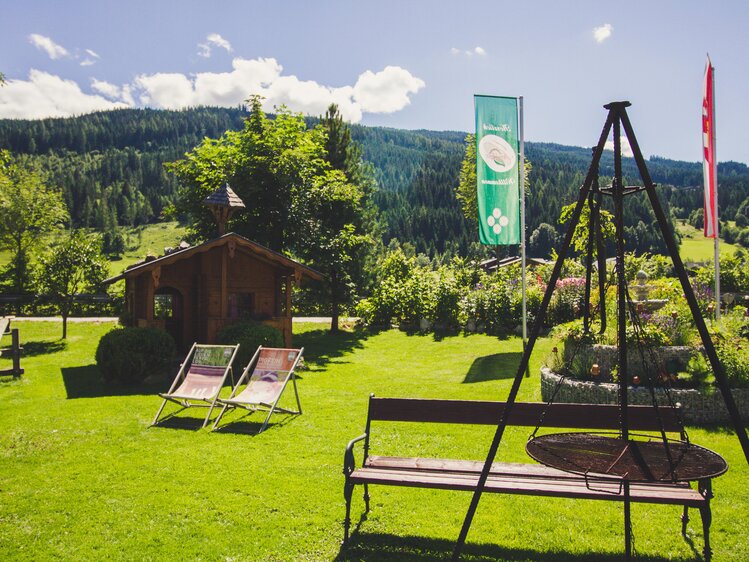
(110, 168)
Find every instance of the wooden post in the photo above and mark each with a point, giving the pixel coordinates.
(287, 313)
(16, 353)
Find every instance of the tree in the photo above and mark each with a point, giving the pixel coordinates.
(465, 191)
(28, 210)
(345, 215)
(302, 198)
(582, 230)
(336, 237)
(76, 266)
(543, 239)
(267, 164)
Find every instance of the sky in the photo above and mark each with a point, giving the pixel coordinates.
(410, 64)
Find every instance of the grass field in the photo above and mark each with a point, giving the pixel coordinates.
(140, 241)
(83, 477)
(696, 248)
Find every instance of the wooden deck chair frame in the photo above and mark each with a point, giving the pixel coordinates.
(271, 407)
(184, 372)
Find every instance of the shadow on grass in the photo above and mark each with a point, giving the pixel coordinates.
(86, 382)
(380, 547)
(244, 426)
(321, 346)
(33, 348)
(493, 367)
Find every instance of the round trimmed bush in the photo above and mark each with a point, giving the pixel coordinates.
(249, 335)
(129, 355)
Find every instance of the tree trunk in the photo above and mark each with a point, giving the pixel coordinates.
(64, 323)
(334, 305)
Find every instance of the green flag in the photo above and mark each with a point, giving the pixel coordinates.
(497, 170)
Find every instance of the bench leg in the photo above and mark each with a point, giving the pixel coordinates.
(706, 489)
(684, 521)
(348, 491)
(366, 497)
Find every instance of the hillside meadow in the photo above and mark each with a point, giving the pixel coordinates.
(83, 476)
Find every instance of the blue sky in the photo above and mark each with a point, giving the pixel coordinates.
(408, 64)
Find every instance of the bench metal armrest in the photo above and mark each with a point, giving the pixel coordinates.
(349, 463)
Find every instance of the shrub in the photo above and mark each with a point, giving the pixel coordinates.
(249, 335)
(567, 301)
(129, 355)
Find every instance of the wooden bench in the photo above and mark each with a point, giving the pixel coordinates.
(15, 349)
(516, 478)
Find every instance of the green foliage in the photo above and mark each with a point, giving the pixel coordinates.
(129, 355)
(448, 296)
(28, 210)
(249, 335)
(465, 191)
(75, 266)
(582, 230)
(567, 301)
(733, 354)
(699, 371)
(734, 273)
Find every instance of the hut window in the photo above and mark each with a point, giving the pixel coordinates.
(163, 306)
(241, 305)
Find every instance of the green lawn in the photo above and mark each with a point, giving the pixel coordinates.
(141, 240)
(696, 248)
(83, 477)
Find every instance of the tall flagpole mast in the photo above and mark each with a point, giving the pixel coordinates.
(715, 196)
(522, 224)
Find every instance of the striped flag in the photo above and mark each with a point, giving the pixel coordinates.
(709, 163)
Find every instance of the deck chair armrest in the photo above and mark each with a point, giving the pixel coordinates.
(349, 462)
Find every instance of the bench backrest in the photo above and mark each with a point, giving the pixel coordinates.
(582, 416)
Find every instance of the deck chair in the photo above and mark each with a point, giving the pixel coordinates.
(273, 369)
(200, 378)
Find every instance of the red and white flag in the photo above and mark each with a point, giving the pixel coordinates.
(708, 153)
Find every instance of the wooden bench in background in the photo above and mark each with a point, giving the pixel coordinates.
(15, 349)
(516, 478)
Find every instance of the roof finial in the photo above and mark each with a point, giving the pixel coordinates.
(222, 203)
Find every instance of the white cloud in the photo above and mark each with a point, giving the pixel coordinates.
(46, 95)
(479, 51)
(92, 57)
(106, 89)
(386, 91)
(383, 92)
(53, 50)
(602, 32)
(213, 40)
(626, 149)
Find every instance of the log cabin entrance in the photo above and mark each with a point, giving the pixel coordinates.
(168, 306)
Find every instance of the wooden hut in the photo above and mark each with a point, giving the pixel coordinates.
(193, 292)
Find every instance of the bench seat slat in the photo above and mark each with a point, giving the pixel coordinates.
(680, 494)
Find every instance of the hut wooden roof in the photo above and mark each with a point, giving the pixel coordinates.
(258, 250)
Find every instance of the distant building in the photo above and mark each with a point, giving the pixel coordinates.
(195, 291)
(492, 264)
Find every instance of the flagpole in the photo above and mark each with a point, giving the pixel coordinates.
(715, 202)
(522, 225)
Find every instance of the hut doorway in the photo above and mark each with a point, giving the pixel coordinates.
(168, 307)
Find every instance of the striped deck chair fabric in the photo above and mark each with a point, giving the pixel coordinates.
(266, 376)
(200, 378)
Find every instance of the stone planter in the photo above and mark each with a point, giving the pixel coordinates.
(697, 407)
(607, 357)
